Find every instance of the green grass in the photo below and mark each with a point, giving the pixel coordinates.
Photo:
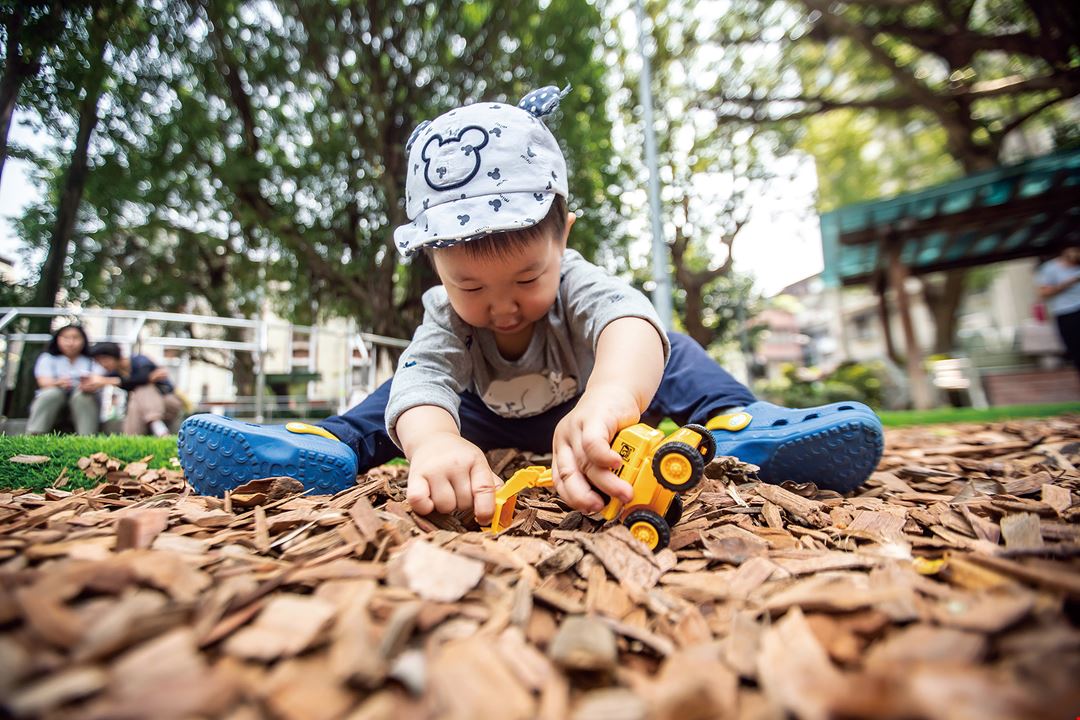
(64, 451)
(906, 418)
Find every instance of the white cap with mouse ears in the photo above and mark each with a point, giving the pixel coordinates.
(481, 169)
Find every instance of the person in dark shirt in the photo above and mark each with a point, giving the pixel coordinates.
(152, 403)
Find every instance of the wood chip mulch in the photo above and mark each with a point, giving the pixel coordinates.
(947, 587)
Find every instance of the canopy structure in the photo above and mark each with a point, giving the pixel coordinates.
(1010, 212)
(1024, 210)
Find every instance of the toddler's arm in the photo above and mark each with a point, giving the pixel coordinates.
(629, 366)
(446, 471)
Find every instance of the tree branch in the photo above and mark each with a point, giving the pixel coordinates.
(1022, 118)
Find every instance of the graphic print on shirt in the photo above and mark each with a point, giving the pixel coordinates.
(528, 395)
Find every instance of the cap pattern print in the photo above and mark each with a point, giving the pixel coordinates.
(480, 169)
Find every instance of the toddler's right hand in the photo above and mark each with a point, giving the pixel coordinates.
(447, 473)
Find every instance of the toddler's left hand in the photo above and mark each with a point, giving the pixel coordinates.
(581, 449)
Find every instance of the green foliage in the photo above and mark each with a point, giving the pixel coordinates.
(64, 452)
(865, 155)
(711, 171)
(798, 387)
(247, 146)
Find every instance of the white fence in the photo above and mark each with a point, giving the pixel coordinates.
(350, 360)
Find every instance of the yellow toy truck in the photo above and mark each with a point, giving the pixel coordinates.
(659, 469)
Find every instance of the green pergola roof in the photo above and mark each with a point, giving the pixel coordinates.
(1021, 210)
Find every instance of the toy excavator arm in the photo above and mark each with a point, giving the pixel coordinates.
(506, 496)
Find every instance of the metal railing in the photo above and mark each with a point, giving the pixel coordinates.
(368, 344)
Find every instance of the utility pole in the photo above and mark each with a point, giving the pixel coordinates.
(662, 291)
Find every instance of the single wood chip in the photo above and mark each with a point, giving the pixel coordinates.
(795, 671)
(469, 681)
(1057, 497)
(29, 459)
(1021, 531)
(926, 643)
(437, 574)
(584, 643)
(809, 512)
(286, 626)
(137, 530)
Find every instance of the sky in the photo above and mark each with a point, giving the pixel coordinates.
(16, 192)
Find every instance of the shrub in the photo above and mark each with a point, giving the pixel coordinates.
(866, 382)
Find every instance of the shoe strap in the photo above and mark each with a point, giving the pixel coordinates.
(304, 429)
(732, 422)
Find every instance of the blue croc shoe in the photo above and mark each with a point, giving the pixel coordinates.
(219, 454)
(835, 446)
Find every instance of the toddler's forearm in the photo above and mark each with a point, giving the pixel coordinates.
(629, 354)
(420, 422)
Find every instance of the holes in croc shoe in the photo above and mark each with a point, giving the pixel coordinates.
(778, 423)
(811, 416)
(845, 407)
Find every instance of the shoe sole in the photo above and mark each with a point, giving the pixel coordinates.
(840, 457)
(216, 458)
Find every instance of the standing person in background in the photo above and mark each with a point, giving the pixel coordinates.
(152, 403)
(1059, 286)
(59, 371)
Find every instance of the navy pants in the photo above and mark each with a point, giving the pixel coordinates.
(1069, 327)
(693, 389)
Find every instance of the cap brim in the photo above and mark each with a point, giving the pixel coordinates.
(462, 220)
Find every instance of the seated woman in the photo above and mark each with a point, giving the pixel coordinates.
(151, 403)
(58, 371)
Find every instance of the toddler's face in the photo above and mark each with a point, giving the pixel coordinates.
(503, 294)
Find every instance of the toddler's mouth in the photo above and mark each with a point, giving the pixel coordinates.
(508, 328)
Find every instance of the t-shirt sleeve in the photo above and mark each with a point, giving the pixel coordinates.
(45, 366)
(1048, 275)
(436, 366)
(593, 298)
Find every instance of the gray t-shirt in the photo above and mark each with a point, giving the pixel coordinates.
(448, 356)
(1054, 273)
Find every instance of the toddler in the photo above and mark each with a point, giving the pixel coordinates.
(524, 344)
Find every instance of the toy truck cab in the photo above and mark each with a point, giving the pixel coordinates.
(658, 467)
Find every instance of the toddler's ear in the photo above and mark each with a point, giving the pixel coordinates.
(415, 134)
(543, 101)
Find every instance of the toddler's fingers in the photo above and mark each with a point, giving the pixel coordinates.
(418, 494)
(597, 446)
(576, 489)
(463, 496)
(610, 483)
(556, 474)
(483, 493)
(579, 493)
(442, 494)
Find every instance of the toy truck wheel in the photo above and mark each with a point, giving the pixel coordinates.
(707, 448)
(674, 511)
(678, 466)
(649, 528)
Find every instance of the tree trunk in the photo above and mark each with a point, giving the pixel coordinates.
(15, 70)
(71, 195)
(695, 308)
(944, 303)
(52, 271)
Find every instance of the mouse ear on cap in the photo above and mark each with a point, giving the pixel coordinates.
(416, 134)
(543, 101)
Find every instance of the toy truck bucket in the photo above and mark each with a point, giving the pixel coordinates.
(506, 496)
